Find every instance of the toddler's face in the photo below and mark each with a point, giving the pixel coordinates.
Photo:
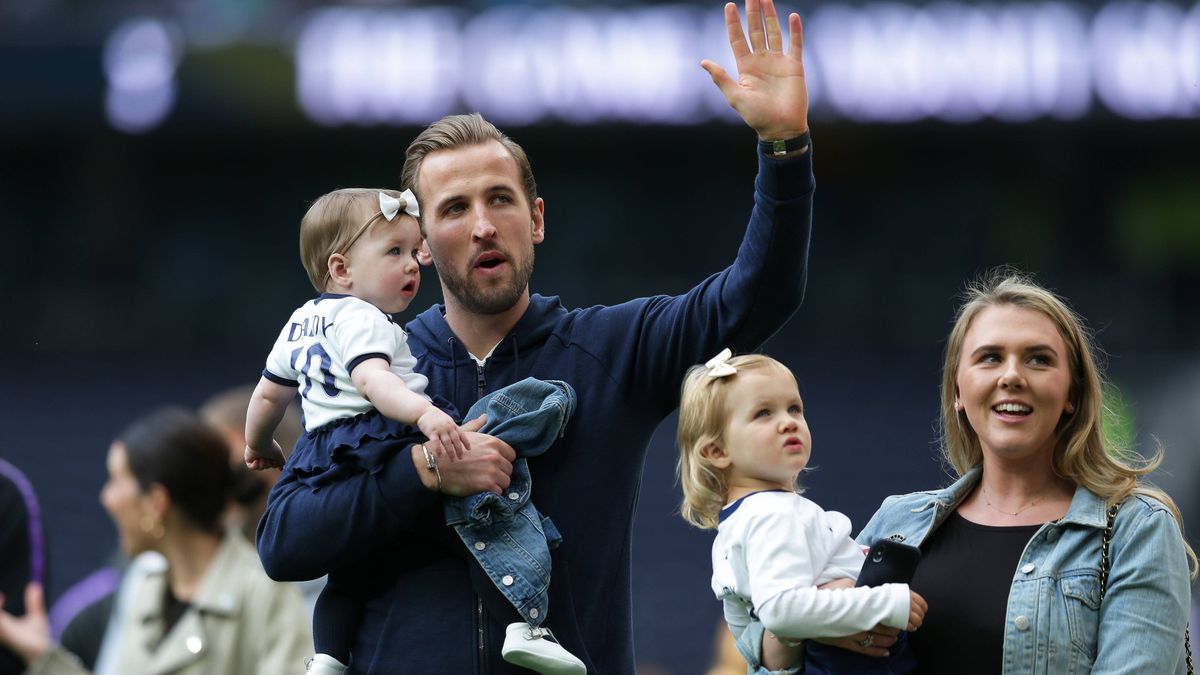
(383, 264)
(766, 437)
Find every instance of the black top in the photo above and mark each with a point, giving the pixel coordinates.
(173, 609)
(965, 575)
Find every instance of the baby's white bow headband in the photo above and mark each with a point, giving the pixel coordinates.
(718, 366)
(389, 206)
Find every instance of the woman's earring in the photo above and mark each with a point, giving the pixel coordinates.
(958, 405)
(153, 527)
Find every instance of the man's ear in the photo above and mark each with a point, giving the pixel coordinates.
(339, 270)
(539, 221)
(715, 455)
(424, 257)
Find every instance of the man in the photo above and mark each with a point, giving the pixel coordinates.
(433, 609)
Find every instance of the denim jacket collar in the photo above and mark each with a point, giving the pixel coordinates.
(1086, 508)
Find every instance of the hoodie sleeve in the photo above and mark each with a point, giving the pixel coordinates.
(650, 342)
(348, 517)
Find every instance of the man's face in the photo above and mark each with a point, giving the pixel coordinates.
(479, 226)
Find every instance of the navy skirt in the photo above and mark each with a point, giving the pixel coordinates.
(363, 443)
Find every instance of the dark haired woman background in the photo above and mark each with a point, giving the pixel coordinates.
(204, 604)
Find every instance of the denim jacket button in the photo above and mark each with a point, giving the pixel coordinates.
(1027, 568)
(533, 613)
(514, 496)
(1022, 623)
(507, 580)
(479, 546)
(1052, 535)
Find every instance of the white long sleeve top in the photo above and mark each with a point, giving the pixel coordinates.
(774, 548)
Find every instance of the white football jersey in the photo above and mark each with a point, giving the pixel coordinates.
(323, 342)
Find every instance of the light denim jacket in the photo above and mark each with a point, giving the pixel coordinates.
(1056, 623)
(506, 533)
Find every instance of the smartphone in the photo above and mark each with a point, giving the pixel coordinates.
(889, 562)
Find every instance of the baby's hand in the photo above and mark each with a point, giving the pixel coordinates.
(916, 611)
(443, 433)
(271, 458)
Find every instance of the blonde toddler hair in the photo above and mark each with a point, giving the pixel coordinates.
(703, 413)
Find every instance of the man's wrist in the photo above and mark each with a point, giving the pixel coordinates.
(785, 148)
(428, 477)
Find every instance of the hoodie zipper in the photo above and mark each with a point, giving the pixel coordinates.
(479, 601)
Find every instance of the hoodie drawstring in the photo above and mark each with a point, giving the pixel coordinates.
(453, 370)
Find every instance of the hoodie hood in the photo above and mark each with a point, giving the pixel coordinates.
(430, 330)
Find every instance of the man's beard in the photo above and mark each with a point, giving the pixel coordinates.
(492, 300)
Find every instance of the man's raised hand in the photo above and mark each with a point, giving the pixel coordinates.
(770, 92)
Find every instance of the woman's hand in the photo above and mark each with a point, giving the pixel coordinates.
(875, 642)
(28, 635)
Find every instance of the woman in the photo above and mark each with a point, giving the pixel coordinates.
(206, 606)
(1012, 552)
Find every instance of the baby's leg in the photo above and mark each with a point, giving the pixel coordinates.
(336, 617)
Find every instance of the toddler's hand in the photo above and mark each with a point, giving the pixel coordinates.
(916, 610)
(443, 434)
(271, 458)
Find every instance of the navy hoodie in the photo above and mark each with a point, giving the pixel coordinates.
(431, 609)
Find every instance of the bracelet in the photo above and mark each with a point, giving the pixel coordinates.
(784, 147)
(431, 464)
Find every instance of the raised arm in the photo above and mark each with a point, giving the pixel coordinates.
(651, 342)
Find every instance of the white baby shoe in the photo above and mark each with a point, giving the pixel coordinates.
(324, 664)
(537, 650)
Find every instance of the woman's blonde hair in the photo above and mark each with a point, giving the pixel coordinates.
(1083, 453)
(703, 412)
(333, 223)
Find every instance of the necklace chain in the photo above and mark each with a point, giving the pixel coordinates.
(1018, 512)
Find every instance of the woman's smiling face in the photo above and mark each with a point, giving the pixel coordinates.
(1014, 381)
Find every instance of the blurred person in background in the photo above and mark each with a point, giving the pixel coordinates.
(197, 600)
(226, 411)
(79, 618)
(22, 550)
(482, 218)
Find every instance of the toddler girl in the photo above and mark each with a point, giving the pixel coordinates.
(743, 441)
(362, 398)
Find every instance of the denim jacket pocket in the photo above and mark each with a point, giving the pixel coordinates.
(1081, 596)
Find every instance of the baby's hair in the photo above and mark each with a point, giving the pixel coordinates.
(333, 223)
(703, 412)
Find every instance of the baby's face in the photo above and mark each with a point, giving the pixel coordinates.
(766, 436)
(383, 264)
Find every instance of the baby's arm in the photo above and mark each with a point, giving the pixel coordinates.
(388, 393)
(783, 571)
(268, 404)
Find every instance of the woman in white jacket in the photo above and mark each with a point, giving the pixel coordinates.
(197, 600)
